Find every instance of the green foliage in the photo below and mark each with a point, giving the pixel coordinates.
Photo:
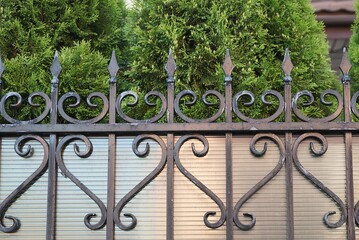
(30, 26)
(85, 32)
(354, 52)
(256, 32)
(83, 71)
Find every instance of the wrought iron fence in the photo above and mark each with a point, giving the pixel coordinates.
(171, 137)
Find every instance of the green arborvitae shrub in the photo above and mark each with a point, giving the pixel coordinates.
(30, 26)
(85, 32)
(354, 52)
(83, 71)
(256, 32)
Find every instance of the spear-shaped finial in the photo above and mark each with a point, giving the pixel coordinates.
(170, 67)
(228, 66)
(113, 67)
(345, 66)
(287, 66)
(55, 69)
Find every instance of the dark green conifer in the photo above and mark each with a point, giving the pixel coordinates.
(84, 32)
(257, 32)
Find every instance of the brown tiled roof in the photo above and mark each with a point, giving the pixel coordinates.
(333, 5)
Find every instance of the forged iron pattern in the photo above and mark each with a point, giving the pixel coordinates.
(170, 111)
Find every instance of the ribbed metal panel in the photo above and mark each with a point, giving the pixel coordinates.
(190, 202)
(73, 204)
(310, 204)
(269, 203)
(149, 206)
(30, 208)
(356, 172)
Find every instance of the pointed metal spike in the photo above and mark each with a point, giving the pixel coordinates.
(113, 67)
(170, 67)
(55, 68)
(2, 68)
(345, 66)
(228, 66)
(287, 66)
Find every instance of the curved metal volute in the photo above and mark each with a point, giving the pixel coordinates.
(261, 183)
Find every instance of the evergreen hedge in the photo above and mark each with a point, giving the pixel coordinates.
(354, 51)
(85, 32)
(256, 32)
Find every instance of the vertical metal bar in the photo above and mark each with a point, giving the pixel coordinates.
(170, 68)
(2, 69)
(349, 187)
(52, 172)
(111, 173)
(111, 184)
(289, 185)
(228, 68)
(345, 68)
(170, 187)
(287, 67)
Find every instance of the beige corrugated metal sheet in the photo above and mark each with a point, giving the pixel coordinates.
(269, 203)
(190, 202)
(30, 208)
(356, 171)
(149, 206)
(310, 204)
(73, 204)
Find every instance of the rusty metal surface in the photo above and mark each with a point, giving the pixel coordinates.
(170, 128)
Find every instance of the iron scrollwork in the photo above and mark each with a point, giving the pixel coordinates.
(249, 94)
(26, 153)
(321, 140)
(326, 93)
(130, 195)
(263, 182)
(205, 101)
(66, 172)
(89, 103)
(134, 96)
(18, 103)
(354, 104)
(198, 183)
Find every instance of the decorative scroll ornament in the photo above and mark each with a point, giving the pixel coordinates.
(322, 140)
(261, 183)
(134, 96)
(19, 100)
(77, 103)
(249, 94)
(205, 101)
(353, 104)
(326, 93)
(356, 213)
(129, 196)
(198, 183)
(6, 204)
(67, 173)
